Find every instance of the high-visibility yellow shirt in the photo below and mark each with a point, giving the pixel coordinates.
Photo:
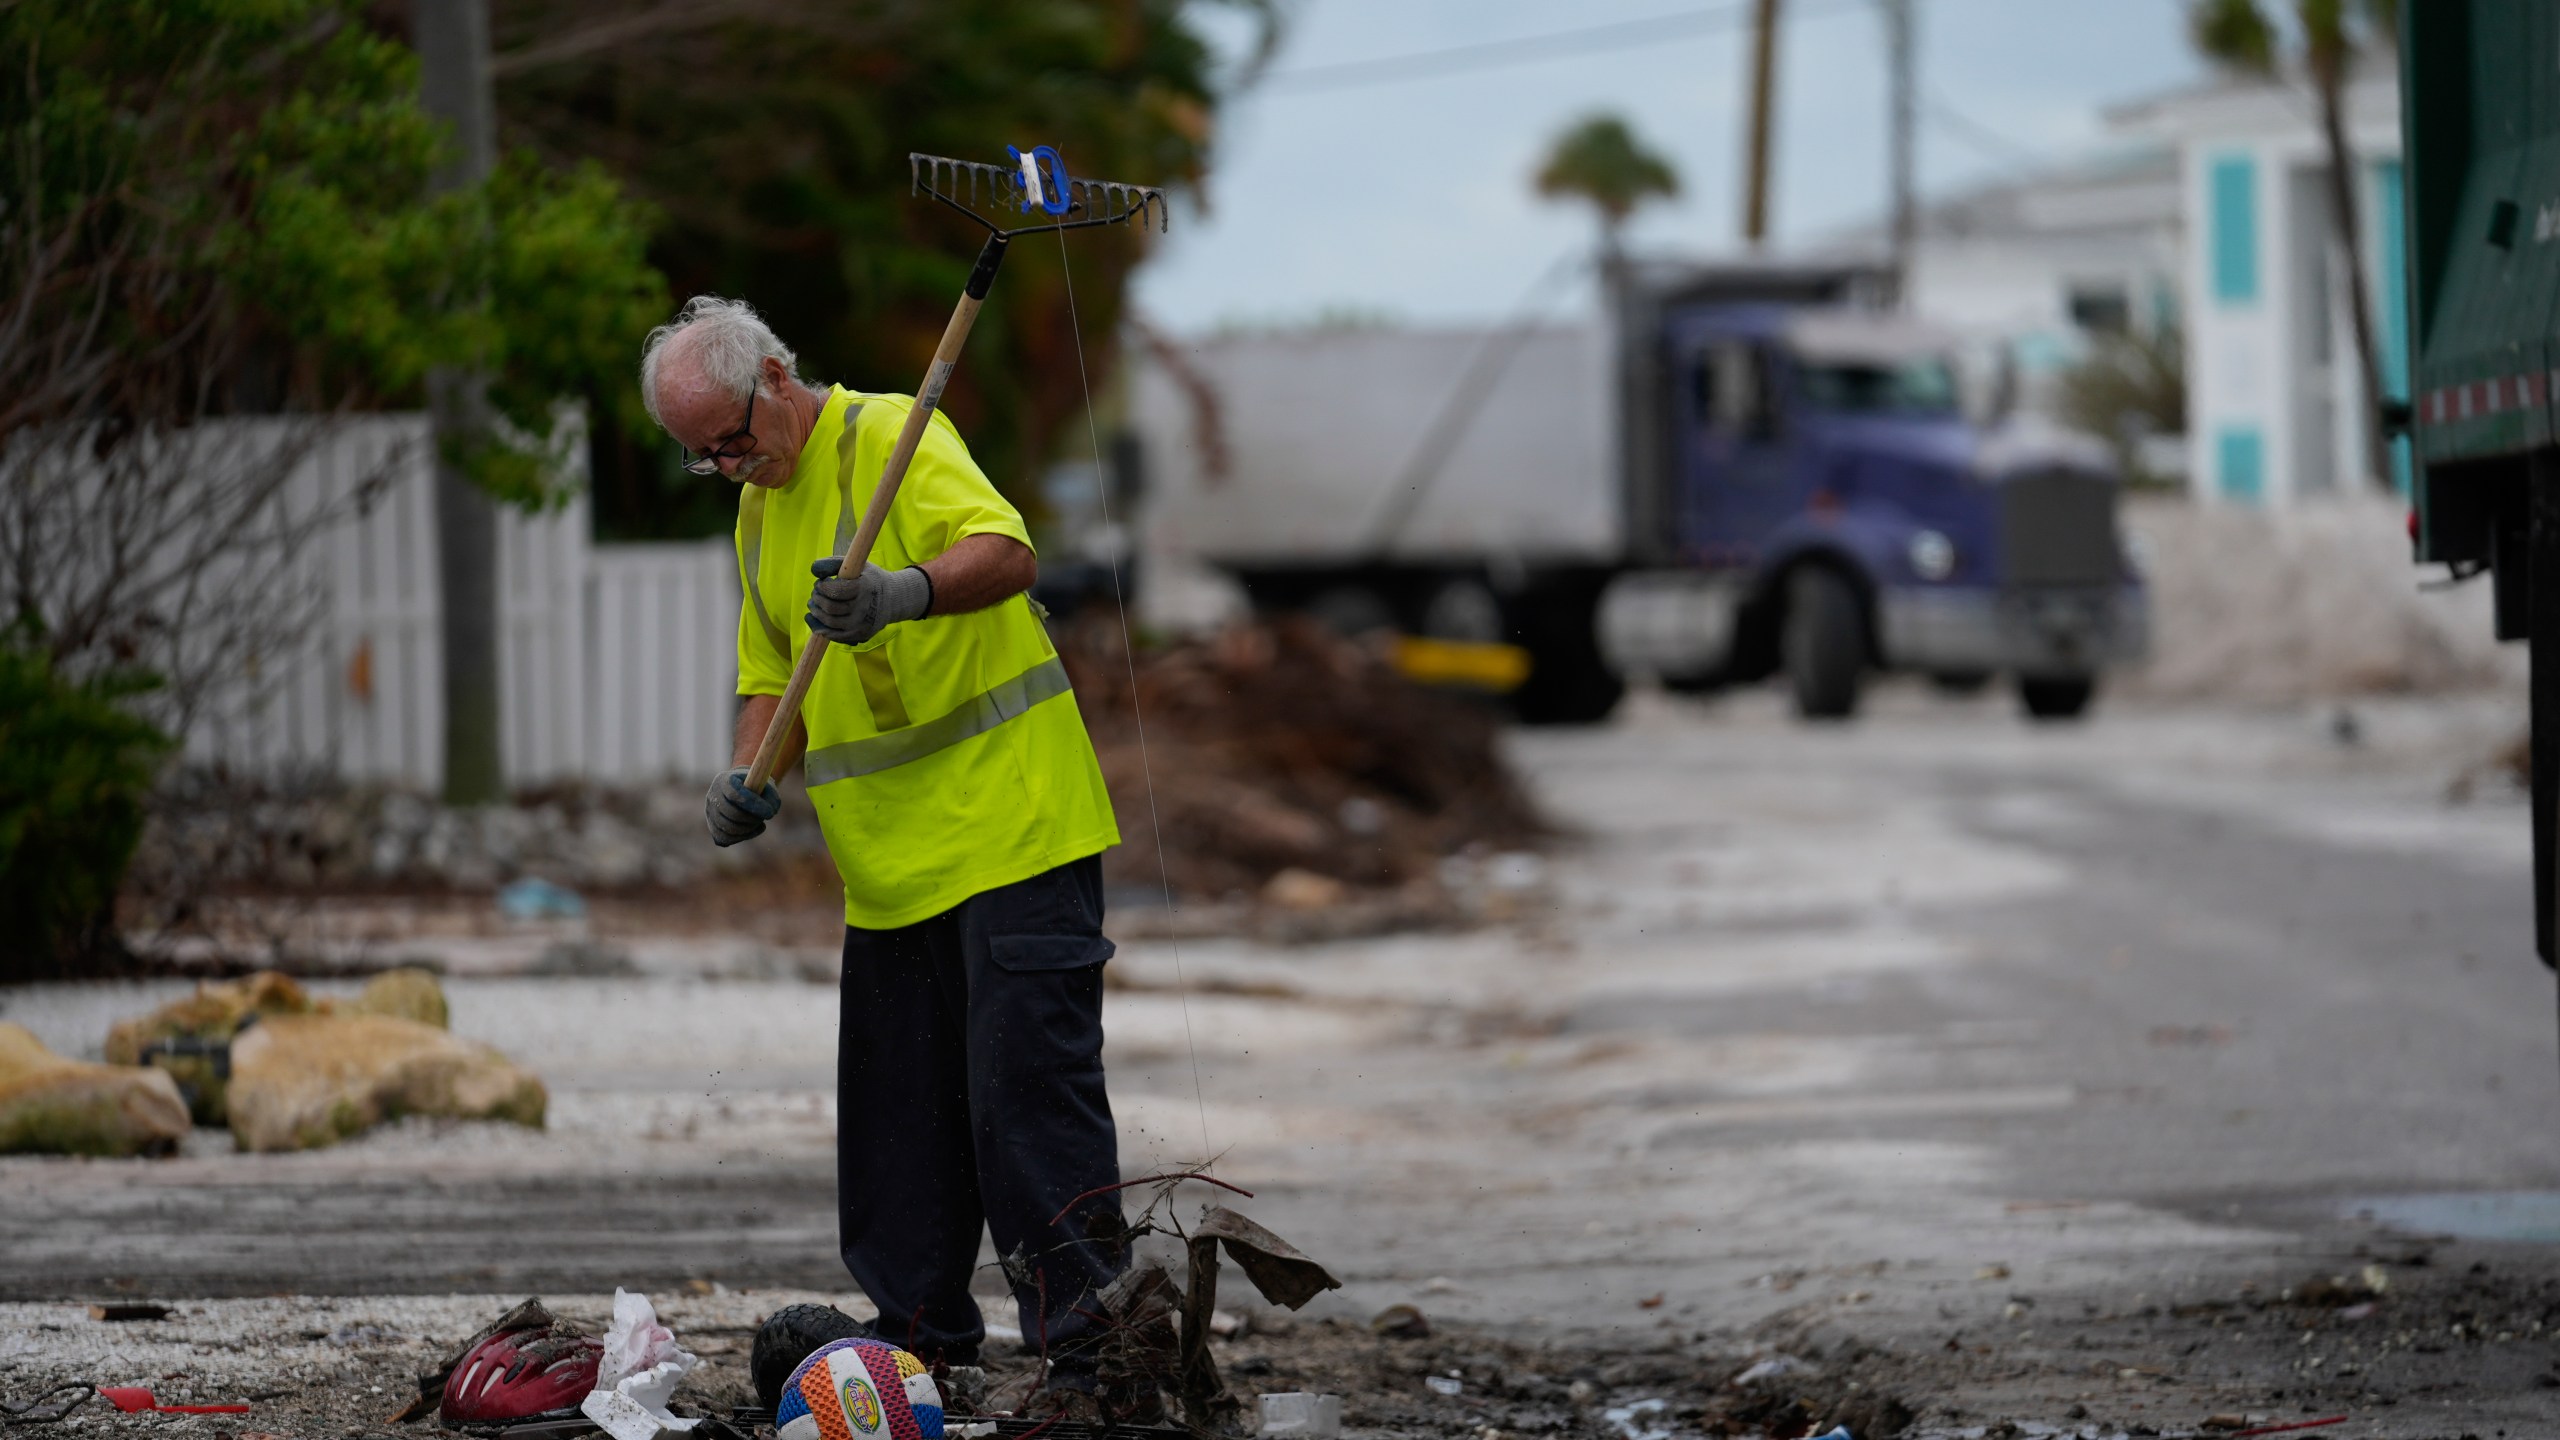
(946, 756)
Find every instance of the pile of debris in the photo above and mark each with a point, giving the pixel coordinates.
(1283, 750)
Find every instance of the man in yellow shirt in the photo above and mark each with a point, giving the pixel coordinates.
(961, 800)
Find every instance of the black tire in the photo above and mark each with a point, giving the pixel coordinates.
(2056, 697)
(1352, 610)
(1961, 682)
(1569, 682)
(1824, 643)
(790, 1335)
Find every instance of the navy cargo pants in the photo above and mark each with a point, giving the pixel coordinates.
(969, 1096)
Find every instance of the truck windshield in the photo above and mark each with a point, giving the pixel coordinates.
(1923, 386)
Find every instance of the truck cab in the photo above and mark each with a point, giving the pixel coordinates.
(1827, 509)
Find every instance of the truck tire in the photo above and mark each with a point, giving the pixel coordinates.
(2056, 697)
(1569, 682)
(1351, 610)
(1823, 643)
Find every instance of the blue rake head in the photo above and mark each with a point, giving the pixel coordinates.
(1035, 184)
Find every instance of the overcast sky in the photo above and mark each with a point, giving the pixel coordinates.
(1396, 190)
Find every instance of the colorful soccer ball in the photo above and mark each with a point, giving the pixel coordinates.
(859, 1390)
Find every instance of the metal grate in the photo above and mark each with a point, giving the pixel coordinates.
(2058, 527)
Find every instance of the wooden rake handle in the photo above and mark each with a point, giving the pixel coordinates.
(946, 356)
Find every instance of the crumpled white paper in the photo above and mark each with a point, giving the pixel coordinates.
(638, 1373)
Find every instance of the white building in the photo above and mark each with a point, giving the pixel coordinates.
(2274, 395)
(2044, 262)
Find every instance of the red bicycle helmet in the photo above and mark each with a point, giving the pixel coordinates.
(532, 1374)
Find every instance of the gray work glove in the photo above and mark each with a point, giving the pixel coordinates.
(736, 813)
(851, 612)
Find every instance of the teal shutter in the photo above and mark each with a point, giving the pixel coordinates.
(2232, 186)
(2241, 463)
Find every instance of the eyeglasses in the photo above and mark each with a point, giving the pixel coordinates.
(733, 446)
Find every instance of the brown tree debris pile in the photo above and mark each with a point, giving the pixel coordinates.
(1285, 757)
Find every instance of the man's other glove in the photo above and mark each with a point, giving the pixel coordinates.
(735, 812)
(851, 612)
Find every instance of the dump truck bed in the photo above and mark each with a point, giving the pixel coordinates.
(1379, 446)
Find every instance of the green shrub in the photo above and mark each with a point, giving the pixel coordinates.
(75, 767)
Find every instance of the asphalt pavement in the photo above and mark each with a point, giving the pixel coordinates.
(1894, 1022)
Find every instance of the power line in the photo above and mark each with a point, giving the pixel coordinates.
(1527, 50)
(1985, 141)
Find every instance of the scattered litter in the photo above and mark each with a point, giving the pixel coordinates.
(1641, 1420)
(1992, 1272)
(54, 1404)
(1836, 1432)
(534, 898)
(1400, 1322)
(1652, 1301)
(1226, 1324)
(792, 1334)
(1776, 1367)
(2360, 1311)
(1301, 1415)
(554, 1363)
(1276, 1268)
(128, 1310)
(638, 1373)
(2376, 1279)
(2294, 1425)
(1297, 889)
(1444, 1384)
(132, 1399)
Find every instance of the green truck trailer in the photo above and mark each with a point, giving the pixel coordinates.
(2480, 98)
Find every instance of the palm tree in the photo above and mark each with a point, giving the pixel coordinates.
(2240, 35)
(1600, 160)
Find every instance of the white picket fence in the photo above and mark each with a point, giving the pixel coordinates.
(617, 662)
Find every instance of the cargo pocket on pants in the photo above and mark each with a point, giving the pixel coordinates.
(1024, 953)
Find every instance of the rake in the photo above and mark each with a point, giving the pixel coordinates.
(1036, 185)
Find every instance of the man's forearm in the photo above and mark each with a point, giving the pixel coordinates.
(755, 713)
(980, 571)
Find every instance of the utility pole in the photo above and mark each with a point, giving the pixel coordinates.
(1764, 66)
(1904, 64)
(452, 37)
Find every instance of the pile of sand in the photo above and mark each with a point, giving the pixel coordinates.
(2314, 601)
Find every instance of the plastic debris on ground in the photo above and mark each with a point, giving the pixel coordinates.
(1400, 1322)
(638, 1375)
(1641, 1419)
(1444, 1384)
(1301, 1415)
(534, 898)
(1776, 1367)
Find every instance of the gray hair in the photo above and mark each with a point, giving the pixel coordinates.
(729, 343)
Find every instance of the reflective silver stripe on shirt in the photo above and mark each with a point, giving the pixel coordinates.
(846, 443)
(751, 525)
(975, 716)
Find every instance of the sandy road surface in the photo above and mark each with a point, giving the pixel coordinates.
(1932, 1030)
